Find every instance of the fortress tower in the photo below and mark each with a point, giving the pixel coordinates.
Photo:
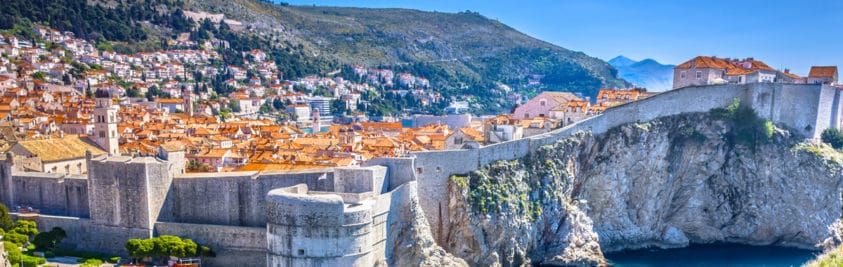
(127, 193)
(105, 123)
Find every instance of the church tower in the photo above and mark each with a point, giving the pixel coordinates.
(188, 103)
(105, 122)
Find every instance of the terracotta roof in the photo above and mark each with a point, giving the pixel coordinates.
(791, 75)
(59, 149)
(703, 62)
(471, 132)
(559, 97)
(823, 71)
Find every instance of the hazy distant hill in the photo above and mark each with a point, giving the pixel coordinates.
(646, 73)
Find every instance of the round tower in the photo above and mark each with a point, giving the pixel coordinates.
(316, 229)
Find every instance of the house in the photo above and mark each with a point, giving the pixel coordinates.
(501, 129)
(573, 111)
(823, 75)
(57, 155)
(172, 105)
(543, 104)
(703, 70)
(465, 137)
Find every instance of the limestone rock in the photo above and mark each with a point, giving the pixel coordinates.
(410, 241)
(665, 183)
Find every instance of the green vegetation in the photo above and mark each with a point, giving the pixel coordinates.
(96, 22)
(165, 246)
(833, 137)
(91, 263)
(746, 127)
(47, 241)
(823, 151)
(497, 188)
(6, 222)
(688, 132)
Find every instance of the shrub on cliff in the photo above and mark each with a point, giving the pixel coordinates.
(747, 127)
(833, 137)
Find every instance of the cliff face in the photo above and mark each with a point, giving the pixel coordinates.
(665, 183)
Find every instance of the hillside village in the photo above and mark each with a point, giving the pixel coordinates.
(63, 97)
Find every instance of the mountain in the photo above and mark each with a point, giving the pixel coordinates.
(461, 53)
(621, 61)
(464, 55)
(646, 73)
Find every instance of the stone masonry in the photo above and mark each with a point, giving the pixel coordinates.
(330, 217)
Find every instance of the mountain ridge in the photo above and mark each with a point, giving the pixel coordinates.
(647, 73)
(460, 53)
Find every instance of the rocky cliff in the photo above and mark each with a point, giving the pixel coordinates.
(695, 178)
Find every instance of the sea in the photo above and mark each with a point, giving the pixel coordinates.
(713, 255)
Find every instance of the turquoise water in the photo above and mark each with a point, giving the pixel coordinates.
(713, 255)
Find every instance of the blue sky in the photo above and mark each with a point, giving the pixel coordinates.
(784, 34)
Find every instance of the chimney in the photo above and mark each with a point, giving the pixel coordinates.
(787, 71)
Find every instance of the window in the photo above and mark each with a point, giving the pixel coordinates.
(682, 75)
(458, 140)
(419, 170)
(699, 75)
(543, 102)
(102, 134)
(526, 115)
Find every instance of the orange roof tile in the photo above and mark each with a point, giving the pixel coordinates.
(823, 71)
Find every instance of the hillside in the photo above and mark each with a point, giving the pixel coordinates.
(461, 53)
(646, 73)
(466, 56)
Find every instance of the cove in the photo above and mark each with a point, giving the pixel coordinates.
(720, 254)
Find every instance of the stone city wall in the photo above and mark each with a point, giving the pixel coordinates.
(234, 245)
(792, 105)
(85, 234)
(235, 199)
(57, 194)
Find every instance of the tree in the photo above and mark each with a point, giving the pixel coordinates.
(5, 219)
(277, 104)
(49, 240)
(140, 248)
(833, 137)
(38, 75)
(165, 246)
(133, 92)
(338, 107)
(16, 238)
(234, 105)
(25, 227)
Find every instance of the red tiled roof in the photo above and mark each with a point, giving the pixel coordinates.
(823, 71)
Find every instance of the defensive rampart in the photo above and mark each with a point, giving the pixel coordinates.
(335, 216)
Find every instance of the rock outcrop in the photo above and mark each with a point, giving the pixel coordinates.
(693, 178)
(410, 241)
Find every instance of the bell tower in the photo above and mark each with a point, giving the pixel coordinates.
(105, 122)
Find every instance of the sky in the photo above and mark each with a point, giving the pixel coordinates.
(784, 34)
